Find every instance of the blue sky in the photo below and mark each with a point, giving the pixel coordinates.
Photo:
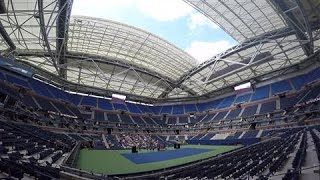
(172, 20)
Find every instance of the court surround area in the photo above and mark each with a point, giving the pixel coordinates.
(124, 162)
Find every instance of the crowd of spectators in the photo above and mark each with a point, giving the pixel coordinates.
(141, 141)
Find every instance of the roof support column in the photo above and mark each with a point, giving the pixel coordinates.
(62, 35)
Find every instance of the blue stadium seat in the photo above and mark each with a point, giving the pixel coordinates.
(268, 107)
(62, 108)
(99, 115)
(144, 108)
(133, 108)
(28, 101)
(311, 94)
(172, 120)
(243, 98)
(220, 116)
(234, 113)
(227, 102)
(214, 104)
(202, 107)
(125, 118)
(104, 104)
(149, 120)
(112, 117)
(118, 106)
(314, 75)
(287, 102)
(207, 118)
(156, 109)
(249, 111)
(45, 104)
(74, 98)
(2, 77)
(250, 134)
(89, 101)
(234, 136)
(40, 88)
(196, 119)
(166, 110)
(138, 119)
(18, 81)
(208, 136)
(280, 87)
(260, 93)
(178, 109)
(299, 81)
(57, 93)
(189, 108)
(183, 119)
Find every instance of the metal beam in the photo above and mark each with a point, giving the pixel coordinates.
(7, 38)
(62, 33)
(96, 58)
(44, 34)
(238, 48)
(293, 22)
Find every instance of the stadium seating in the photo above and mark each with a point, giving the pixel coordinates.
(190, 108)
(121, 107)
(138, 120)
(234, 113)
(113, 118)
(178, 109)
(208, 117)
(280, 87)
(249, 111)
(243, 98)
(183, 120)
(125, 118)
(40, 88)
(18, 81)
(172, 120)
(268, 107)
(220, 116)
(228, 101)
(99, 116)
(89, 101)
(104, 104)
(133, 108)
(260, 93)
(166, 110)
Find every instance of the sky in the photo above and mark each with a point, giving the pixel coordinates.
(173, 20)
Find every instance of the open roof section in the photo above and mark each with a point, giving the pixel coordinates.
(241, 19)
(273, 36)
(89, 52)
(128, 44)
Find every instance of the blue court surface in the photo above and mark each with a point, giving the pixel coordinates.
(163, 155)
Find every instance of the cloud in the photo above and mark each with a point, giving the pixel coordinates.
(197, 19)
(203, 51)
(160, 10)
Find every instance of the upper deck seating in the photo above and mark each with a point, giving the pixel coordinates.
(260, 93)
(268, 107)
(89, 101)
(190, 108)
(104, 104)
(118, 106)
(178, 109)
(280, 87)
(249, 111)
